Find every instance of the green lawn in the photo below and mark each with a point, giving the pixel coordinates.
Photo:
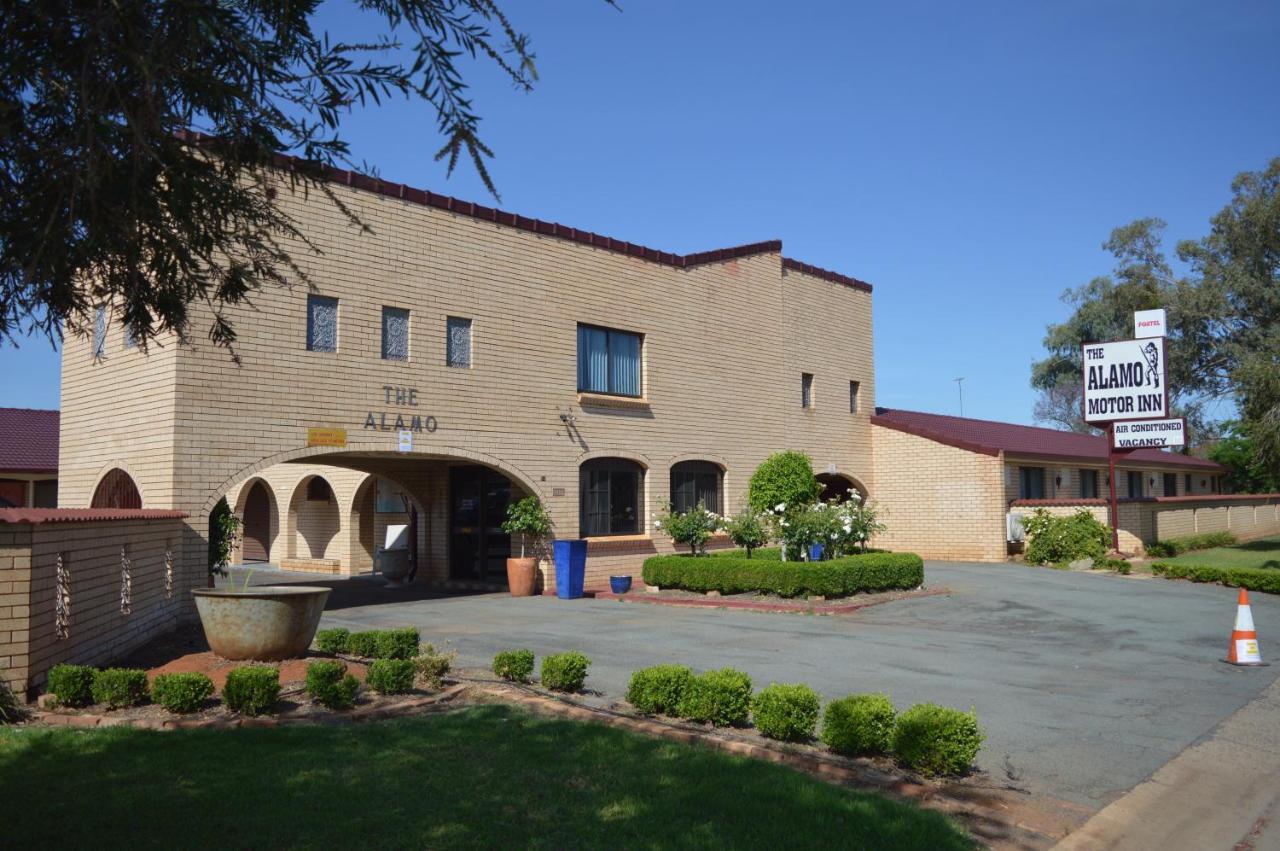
(1264, 552)
(484, 777)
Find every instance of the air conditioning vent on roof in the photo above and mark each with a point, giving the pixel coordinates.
(1013, 528)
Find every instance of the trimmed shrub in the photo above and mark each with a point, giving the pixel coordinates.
(71, 684)
(117, 688)
(183, 692)
(514, 665)
(364, 644)
(858, 724)
(1058, 540)
(722, 697)
(840, 577)
(329, 685)
(333, 640)
(391, 676)
(786, 711)
(565, 671)
(784, 478)
(1266, 579)
(252, 690)
(658, 690)
(1177, 546)
(431, 666)
(937, 739)
(397, 643)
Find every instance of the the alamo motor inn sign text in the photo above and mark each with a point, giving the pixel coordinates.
(1125, 380)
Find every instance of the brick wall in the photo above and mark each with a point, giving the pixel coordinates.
(937, 500)
(98, 630)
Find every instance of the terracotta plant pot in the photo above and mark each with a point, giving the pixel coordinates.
(522, 574)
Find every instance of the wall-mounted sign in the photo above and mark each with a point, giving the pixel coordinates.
(400, 397)
(1149, 323)
(1141, 434)
(405, 443)
(1125, 380)
(326, 437)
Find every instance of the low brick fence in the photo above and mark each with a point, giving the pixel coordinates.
(1147, 520)
(86, 586)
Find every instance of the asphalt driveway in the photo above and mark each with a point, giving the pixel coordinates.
(1085, 684)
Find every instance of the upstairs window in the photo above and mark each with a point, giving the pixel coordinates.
(322, 324)
(696, 483)
(853, 397)
(608, 361)
(100, 331)
(1089, 484)
(395, 333)
(458, 344)
(1031, 482)
(806, 390)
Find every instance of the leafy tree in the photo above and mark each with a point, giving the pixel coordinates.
(108, 199)
(1247, 471)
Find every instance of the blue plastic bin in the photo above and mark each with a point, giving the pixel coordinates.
(815, 552)
(571, 567)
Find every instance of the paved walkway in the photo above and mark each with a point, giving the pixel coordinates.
(1086, 684)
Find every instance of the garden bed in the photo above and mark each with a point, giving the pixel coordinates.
(754, 602)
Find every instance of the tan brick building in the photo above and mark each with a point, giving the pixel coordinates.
(451, 357)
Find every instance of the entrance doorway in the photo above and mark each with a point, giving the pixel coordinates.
(256, 544)
(478, 548)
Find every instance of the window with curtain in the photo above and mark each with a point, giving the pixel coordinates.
(1135, 483)
(322, 324)
(694, 483)
(609, 495)
(1170, 484)
(1089, 484)
(1031, 482)
(608, 361)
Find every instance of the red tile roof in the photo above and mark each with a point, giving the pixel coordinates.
(84, 515)
(991, 438)
(28, 441)
(473, 210)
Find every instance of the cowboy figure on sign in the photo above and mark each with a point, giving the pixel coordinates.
(1152, 354)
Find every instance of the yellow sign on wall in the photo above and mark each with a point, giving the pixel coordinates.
(326, 437)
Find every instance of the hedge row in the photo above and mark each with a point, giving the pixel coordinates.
(1177, 546)
(1252, 578)
(836, 578)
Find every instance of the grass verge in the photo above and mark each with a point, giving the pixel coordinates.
(488, 776)
(1263, 553)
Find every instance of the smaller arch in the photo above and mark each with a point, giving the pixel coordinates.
(259, 514)
(116, 489)
(839, 487)
(314, 518)
(697, 482)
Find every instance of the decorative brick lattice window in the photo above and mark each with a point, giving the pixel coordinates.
(62, 600)
(395, 333)
(168, 574)
(459, 342)
(126, 583)
(322, 324)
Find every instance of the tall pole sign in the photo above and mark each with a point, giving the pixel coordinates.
(1126, 389)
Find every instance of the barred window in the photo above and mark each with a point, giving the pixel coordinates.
(322, 323)
(395, 333)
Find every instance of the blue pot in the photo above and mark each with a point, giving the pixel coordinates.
(620, 584)
(815, 552)
(571, 567)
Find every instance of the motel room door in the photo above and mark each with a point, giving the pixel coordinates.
(256, 539)
(478, 548)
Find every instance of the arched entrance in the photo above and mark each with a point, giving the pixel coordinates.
(839, 488)
(116, 490)
(256, 541)
(314, 519)
(478, 548)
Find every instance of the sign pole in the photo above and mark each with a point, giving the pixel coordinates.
(1111, 480)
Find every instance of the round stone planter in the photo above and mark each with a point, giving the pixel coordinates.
(265, 623)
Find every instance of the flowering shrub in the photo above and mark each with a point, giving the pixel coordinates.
(1054, 540)
(692, 528)
(748, 530)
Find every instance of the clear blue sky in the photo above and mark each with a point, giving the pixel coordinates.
(967, 159)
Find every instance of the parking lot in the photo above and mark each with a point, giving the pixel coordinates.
(1085, 684)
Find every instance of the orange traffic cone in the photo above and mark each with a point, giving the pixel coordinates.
(1244, 640)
